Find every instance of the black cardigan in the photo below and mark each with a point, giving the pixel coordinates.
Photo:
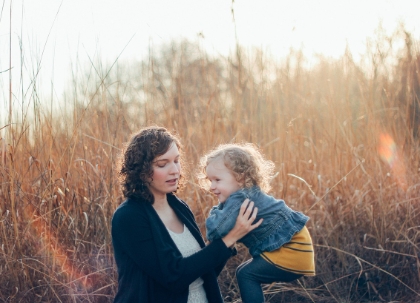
(150, 267)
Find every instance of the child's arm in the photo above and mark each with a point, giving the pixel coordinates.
(222, 218)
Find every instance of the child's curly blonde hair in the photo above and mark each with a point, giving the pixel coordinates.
(246, 163)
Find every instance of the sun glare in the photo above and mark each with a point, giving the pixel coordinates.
(51, 247)
(389, 153)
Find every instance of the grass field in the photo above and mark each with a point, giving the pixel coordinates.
(344, 136)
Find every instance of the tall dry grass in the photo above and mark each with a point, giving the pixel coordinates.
(343, 135)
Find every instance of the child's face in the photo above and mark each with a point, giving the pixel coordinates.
(223, 183)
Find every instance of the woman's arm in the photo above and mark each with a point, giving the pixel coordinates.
(137, 245)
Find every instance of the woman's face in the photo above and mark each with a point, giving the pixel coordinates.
(166, 173)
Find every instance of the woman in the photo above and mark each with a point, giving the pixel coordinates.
(158, 247)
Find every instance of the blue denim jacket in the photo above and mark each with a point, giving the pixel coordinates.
(279, 225)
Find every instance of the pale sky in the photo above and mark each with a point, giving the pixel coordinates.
(52, 33)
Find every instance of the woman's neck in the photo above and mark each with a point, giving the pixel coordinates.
(160, 202)
(167, 215)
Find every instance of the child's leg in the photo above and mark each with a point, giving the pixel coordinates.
(252, 273)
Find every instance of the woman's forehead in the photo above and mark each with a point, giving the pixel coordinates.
(172, 152)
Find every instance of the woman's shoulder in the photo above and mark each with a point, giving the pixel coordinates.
(130, 207)
(130, 217)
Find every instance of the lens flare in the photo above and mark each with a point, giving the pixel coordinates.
(59, 256)
(390, 154)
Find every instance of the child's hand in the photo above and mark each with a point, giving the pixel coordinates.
(243, 225)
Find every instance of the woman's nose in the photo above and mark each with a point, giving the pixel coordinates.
(175, 168)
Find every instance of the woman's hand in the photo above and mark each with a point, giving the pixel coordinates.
(243, 225)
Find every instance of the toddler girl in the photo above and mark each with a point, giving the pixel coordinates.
(281, 247)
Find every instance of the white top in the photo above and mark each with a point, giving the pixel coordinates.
(188, 245)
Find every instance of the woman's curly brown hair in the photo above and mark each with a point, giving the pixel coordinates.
(246, 163)
(135, 162)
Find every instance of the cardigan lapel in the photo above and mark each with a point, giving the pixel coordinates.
(186, 216)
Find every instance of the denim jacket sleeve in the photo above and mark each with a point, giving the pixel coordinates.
(222, 218)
